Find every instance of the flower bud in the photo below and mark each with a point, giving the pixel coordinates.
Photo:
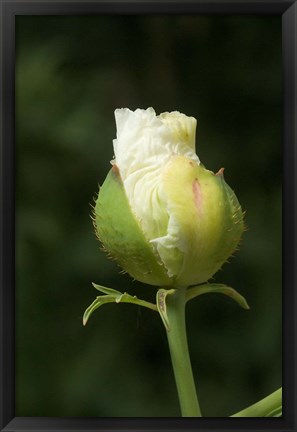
(165, 218)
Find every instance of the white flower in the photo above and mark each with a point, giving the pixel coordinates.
(189, 218)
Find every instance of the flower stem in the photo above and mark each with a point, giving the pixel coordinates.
(264, 407)
(178, 345)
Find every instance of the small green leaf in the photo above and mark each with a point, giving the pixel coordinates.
(161, 305)
(99, 301)
(127, 298)
(106, 290)
(217, 288)
(113, 296)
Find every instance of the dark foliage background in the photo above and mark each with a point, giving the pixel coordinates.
(71, 73)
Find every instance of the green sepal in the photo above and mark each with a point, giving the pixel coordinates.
(113, 296)
(121, 235)
(161, 305)
(208, 221)
(217, 288)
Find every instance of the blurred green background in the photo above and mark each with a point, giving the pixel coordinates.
(71, 74)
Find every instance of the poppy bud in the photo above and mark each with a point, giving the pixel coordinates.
(165, 218)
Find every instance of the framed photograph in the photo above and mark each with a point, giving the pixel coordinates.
(167, 131)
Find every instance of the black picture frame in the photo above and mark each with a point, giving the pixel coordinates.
(9, 10)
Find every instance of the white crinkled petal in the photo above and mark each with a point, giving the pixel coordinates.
(144, 145)
(182, 126)
(169, 247)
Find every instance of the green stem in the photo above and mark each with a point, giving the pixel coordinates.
(264, 407)
(178, 345)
